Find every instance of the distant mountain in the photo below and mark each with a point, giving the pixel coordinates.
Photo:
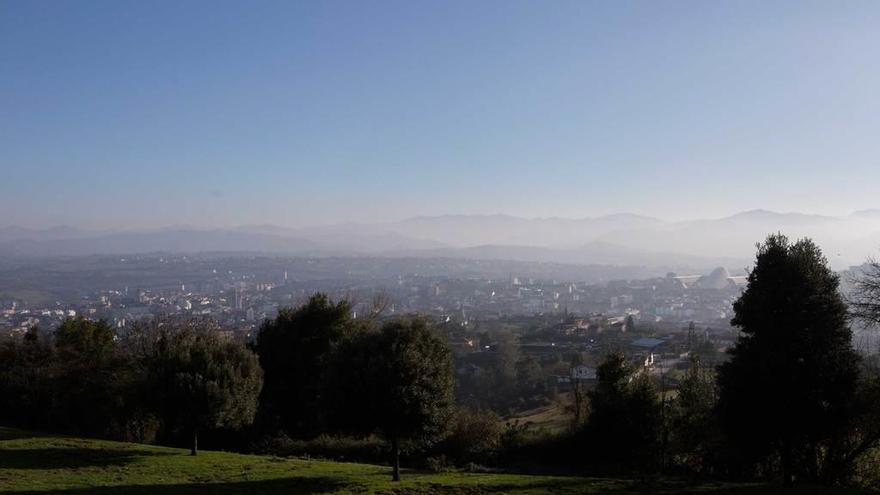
(13, 233)
(477, 230)
(166, 240)
(873, 214)
(621, 239)
(594, 253)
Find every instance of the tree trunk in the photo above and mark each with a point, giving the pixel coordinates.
(395, 453)
(195, 444)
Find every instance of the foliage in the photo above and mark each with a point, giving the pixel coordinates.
(475, 437)
(27, 380)
(789, 388)
(860, 448)
(370, 449)
(200, 381)
(399, 381)
(624, 424)
(691, 420)
(295, 351)
(90, 377)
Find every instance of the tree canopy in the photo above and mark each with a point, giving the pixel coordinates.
(624, 421)
(202, 381)
(399, 381)
(295, 350)
(791, 379)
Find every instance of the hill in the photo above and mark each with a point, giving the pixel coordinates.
(618, 240)
(33, 463)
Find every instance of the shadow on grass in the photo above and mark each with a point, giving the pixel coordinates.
(290, 486)
(67, 458)
(596, 486)
(15, 434)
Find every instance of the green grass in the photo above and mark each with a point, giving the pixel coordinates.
(34, 463)
(553, 418)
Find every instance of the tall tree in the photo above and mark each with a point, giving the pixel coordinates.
(202, 381)
(398, 381)
(295, 350)
(88, 376)
(624, 421)
(789, 385)
(26, 380)
(692, 420)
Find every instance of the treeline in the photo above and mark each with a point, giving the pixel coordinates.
(794, 401)
(159, 383)
(313, 370)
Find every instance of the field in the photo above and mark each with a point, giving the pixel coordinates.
(552, 418)
(34, 463)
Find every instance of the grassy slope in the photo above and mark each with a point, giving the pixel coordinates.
(33, 463)
(553, 418)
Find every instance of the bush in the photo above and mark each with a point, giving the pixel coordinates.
(438, 464)
(867, 470)
(334, 447)
(475, 436)
(138, 428)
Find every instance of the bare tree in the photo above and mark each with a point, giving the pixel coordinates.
(865, 299)
(381, 302)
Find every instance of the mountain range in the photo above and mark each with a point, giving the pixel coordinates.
(620, 239)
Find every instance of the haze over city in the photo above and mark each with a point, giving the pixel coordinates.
(439, 246)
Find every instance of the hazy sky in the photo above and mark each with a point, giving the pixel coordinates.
(149, 113)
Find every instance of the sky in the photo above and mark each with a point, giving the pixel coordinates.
(132, 114)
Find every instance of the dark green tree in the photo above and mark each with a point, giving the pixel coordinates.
(789, 386)
(398, 381)
(529, 376)
(202, 381)
(88, 377)
(624, 424)
(79, 338)
(692, 420)
(295, 350)
(27, 368)
(475, 436)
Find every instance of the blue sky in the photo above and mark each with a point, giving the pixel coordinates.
(142, 114)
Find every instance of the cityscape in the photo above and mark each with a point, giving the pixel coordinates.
(439, 247)
(239, 293)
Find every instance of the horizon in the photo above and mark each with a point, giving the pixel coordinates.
(619, 214)
(122, 114)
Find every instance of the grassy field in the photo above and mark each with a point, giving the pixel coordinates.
(553, 418)
(33, 463)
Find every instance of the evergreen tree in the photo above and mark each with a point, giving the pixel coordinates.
(692, 420)
(27, 368)
(790, 383)
(624, 423)
(89, 373)
(295, 351)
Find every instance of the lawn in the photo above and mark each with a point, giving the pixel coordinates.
(33, 463)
